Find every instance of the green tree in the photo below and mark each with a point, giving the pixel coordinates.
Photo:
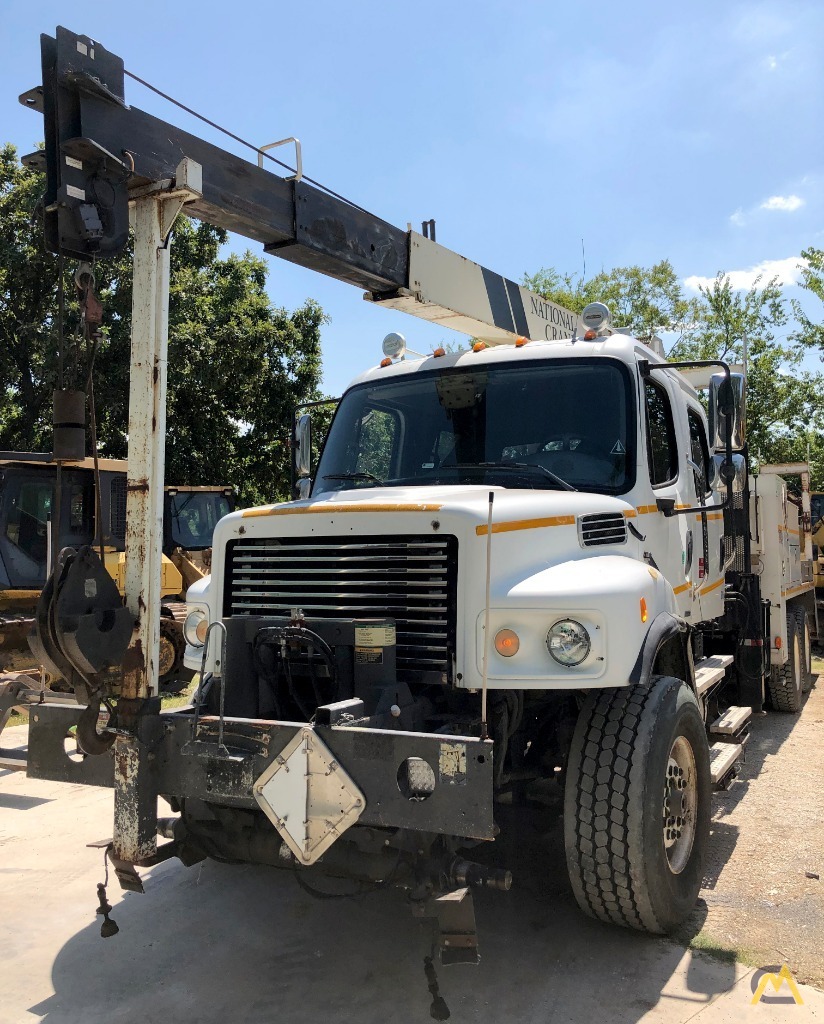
(647, 300)
(784, 408)
(809, 332)
(237, 364)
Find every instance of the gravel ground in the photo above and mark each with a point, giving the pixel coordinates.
(768, 838)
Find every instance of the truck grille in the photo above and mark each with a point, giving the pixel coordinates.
(412, 579)
(602, 528)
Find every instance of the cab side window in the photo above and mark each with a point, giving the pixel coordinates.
(699, 451)
(662, 451)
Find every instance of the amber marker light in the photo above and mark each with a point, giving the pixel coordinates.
(644, 615)
(439, 352)
(479, 346)
(507, 642)
(386, 362)
(520, 342)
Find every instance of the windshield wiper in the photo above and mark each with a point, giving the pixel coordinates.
(516, 467)
(370, 477)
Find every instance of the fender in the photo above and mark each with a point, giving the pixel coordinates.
(664, 626)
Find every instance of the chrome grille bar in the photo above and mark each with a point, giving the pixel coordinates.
(412, 579)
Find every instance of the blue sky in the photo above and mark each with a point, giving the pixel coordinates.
(650, 131)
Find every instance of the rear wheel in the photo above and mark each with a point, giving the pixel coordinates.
(637, 805)
(785, 681)
(803, 624)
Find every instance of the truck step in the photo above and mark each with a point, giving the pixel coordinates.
(710, 671)
(724, 759)
(733, 725)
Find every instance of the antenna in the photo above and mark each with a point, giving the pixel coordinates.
(484, 729)
(584, 258)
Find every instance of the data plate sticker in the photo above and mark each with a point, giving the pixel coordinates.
(369, 655)
(452, 764)
(374, 636)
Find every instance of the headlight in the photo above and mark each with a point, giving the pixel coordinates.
(195, 626)
(568, 642)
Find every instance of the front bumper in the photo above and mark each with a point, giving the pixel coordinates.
(187, 762)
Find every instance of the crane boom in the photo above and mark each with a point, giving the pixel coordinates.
(93, 135)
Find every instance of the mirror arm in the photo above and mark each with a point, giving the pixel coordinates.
(645, 367)
(725, 504)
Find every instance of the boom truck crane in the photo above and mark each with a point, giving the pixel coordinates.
(528, 563)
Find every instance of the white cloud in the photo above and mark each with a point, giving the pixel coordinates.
(739, 218)
(785, 203)
(786, 271)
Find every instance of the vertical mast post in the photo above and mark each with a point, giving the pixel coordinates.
(155, 209)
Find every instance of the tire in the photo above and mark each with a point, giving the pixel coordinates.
(785, 681)
(803, 624)
(618, 774)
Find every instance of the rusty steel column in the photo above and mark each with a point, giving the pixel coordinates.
(147, 434)
(154, 211)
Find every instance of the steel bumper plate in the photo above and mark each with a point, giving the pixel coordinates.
(192, 764)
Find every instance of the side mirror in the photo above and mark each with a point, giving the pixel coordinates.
(302, 455)
(736, 471)
(727, 412)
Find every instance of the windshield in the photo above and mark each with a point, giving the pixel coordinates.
(194, 516)
(548, 424)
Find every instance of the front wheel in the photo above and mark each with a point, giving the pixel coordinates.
(637, 805)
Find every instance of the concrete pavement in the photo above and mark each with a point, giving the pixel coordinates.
(221, 943)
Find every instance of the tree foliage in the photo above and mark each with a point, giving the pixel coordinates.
(809, 332)
(784, 402)
(237, 364)
(646, 300)
(784, 407)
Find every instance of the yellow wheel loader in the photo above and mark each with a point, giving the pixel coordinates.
(31, 505)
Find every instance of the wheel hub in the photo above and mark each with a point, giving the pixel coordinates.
(680, 804)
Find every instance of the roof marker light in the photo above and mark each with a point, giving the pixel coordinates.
(479, 346)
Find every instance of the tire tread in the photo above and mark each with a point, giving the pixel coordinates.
(599, 863)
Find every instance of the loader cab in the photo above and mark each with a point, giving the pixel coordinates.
(190, 515)
(29, 510)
